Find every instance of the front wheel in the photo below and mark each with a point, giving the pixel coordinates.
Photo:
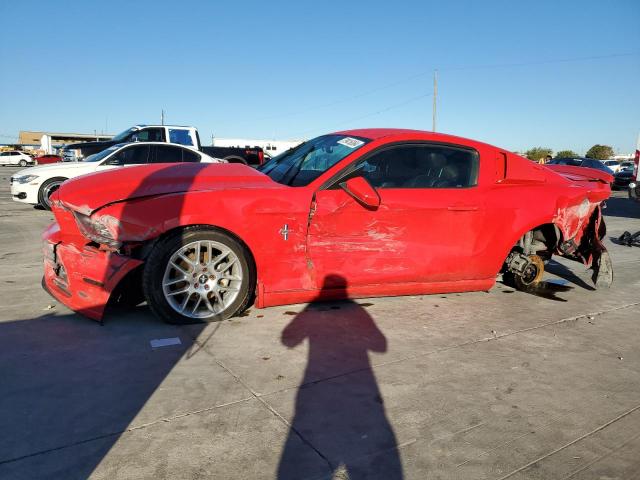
(23, 163)
(46, 190)
(198, 275)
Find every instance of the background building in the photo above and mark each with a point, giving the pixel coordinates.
(49, 142)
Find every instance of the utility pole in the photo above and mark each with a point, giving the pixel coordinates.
(435, 98)
(162, 117)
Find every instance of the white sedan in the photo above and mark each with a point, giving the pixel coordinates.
(36, 184)
(15, 157)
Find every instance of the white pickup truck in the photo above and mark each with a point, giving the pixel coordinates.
(180, 135)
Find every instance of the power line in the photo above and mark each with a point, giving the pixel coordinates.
(367, 115)
(443, 68)
(539, 62)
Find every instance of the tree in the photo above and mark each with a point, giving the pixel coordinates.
(600, 152)
(537, 153)
(566, 154)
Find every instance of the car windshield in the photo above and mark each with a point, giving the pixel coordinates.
(123, 135)
(306, 162)
(587, 162)
(96, 157)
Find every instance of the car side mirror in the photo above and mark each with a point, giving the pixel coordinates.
(362, 191)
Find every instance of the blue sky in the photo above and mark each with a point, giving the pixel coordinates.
(298, 69)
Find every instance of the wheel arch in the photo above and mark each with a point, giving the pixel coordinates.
(548, 232)
(48, 180)
(149, 245)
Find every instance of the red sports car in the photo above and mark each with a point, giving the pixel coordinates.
(47, 159)
(351, 214)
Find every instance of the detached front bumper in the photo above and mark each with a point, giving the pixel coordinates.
(82, 277)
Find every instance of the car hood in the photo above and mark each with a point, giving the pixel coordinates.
(51, 168)
(91, 192)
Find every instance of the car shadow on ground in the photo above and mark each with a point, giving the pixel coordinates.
(622, 207)
(68, 381)
(71, 387)
(564, 272)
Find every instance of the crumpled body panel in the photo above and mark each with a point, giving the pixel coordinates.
(417, 240)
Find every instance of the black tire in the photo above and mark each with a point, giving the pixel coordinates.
(46, 189)
(157, 263)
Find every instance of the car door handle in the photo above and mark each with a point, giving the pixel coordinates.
(462, 208)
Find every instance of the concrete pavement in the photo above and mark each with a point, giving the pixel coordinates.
(461, 386)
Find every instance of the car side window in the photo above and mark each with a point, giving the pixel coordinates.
(420, 166)
(137, 154)
(180, 136)
(167, 154)
(150, 135)
(189, 156)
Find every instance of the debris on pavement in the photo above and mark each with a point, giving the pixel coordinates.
(165, 342)
(629, 239)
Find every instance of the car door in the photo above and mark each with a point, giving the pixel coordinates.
(136, 154)
(424, 230)
(4, 158)
(149, 134)
(181, 136)
(166, 154)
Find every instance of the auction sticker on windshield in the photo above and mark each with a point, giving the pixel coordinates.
(350, 142)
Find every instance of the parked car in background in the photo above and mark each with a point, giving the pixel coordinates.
(614, 165)
(351, 214)
(582, 162)
(627, 164)
(623, 178)
(634, 186)
(252, 156)
(176, 134)
(16, 158)
(47, 159)
(181, 135)
(36, 185)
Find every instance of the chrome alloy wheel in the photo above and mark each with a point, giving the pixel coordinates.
(202, 279)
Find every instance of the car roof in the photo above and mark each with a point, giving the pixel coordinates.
(141, 125)
(379, 133)
(124, 144)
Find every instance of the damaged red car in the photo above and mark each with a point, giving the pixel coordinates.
(372, 212)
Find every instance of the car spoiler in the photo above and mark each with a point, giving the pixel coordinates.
(581, 174)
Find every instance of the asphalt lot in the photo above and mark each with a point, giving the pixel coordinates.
(464, 386)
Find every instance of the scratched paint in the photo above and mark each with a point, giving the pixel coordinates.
(415, 241)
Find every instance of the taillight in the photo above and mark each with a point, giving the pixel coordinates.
(636, 161)
(261, 157)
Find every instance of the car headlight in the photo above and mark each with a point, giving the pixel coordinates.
(632, 185)
(101, 229)
(25, 178)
